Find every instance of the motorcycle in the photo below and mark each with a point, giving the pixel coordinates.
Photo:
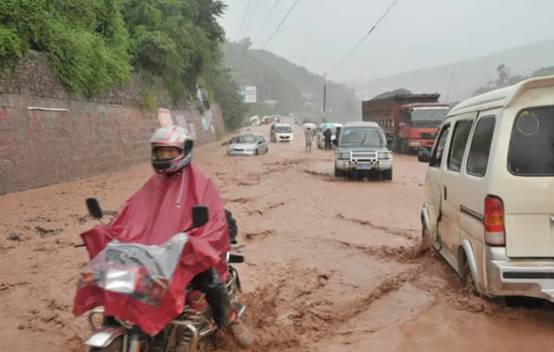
(143, 272)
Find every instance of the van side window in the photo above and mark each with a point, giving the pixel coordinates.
(438, 152)
(458, 144)
(480, 147)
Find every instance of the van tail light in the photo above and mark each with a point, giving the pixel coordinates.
(495, 234)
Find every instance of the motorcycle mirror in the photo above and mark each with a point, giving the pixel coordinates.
(200, 216)
(94, 208)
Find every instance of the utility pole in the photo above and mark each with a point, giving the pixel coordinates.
(449, 87)
(324, 95)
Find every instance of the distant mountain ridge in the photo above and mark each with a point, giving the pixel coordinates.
(293, 87)
(469, 75)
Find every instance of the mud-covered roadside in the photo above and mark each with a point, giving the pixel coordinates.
(331, 265)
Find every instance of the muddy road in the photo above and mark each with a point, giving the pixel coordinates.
(331, 264)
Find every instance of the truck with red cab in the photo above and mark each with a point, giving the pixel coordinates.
(410, 121)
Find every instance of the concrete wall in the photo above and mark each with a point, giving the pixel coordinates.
(50, 139)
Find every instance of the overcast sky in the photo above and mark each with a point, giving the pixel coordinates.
(416, 34)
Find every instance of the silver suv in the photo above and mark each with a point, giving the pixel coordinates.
(362, 151)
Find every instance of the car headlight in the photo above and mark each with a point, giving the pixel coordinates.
(343, 155)
(385, 156)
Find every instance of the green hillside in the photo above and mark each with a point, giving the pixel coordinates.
(294, 88)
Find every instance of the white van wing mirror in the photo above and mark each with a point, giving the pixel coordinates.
(424, 155)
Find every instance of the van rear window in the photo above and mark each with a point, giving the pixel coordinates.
(532, 143)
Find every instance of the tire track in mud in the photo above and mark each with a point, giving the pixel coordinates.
(306, 321)
(386, 287)
(266, 209)
(249, 236)
(7, 287)
(396, 232)
(400, 254)
(303, 312)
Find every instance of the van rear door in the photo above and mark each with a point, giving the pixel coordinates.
(529, 204)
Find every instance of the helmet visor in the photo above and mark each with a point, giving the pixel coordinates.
(163, 153)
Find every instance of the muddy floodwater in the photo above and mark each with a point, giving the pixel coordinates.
(331, 265)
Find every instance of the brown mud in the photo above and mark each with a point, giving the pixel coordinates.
(331, 265)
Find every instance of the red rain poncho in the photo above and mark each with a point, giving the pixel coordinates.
(159, 210)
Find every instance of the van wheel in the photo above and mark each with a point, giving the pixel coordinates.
(424, 244)
(467, 279)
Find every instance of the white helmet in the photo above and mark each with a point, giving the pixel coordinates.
(171, 136)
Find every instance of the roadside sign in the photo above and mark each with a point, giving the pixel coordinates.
(250, 96)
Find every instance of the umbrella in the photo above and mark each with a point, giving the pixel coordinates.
(309, 126)
(326, 125)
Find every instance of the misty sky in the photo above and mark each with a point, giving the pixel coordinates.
(416, 34)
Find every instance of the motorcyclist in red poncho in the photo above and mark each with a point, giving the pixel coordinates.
(155, 213)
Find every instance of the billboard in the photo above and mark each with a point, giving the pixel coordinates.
(250, 95)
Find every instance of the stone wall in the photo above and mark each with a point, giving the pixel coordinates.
(49, 136)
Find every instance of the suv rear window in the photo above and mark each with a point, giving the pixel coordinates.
(532, 144)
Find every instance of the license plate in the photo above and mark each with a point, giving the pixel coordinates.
(363, 166)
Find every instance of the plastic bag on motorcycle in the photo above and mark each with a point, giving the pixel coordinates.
(140, 271)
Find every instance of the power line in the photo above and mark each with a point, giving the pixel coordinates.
(244, 16)
(266, 21)
(251, 17)
(363, 38)
(281, 24)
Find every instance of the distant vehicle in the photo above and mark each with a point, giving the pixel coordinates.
(281, 132)
(269, 119)
(489, 191)
(361, 150)
(248, 144)
(410, 121)
(320, 139)
(255, 121)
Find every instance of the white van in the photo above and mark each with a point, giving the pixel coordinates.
(489, 191)
(281, 132)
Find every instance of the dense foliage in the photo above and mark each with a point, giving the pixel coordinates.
(96, 44)
(86, 41)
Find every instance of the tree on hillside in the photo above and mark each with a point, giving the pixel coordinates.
(94, 45)
(86, 41)
(174, 40)
(504, 79)
(504, 75)
(545, 71)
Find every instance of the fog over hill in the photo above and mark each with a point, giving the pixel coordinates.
(467, 75)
